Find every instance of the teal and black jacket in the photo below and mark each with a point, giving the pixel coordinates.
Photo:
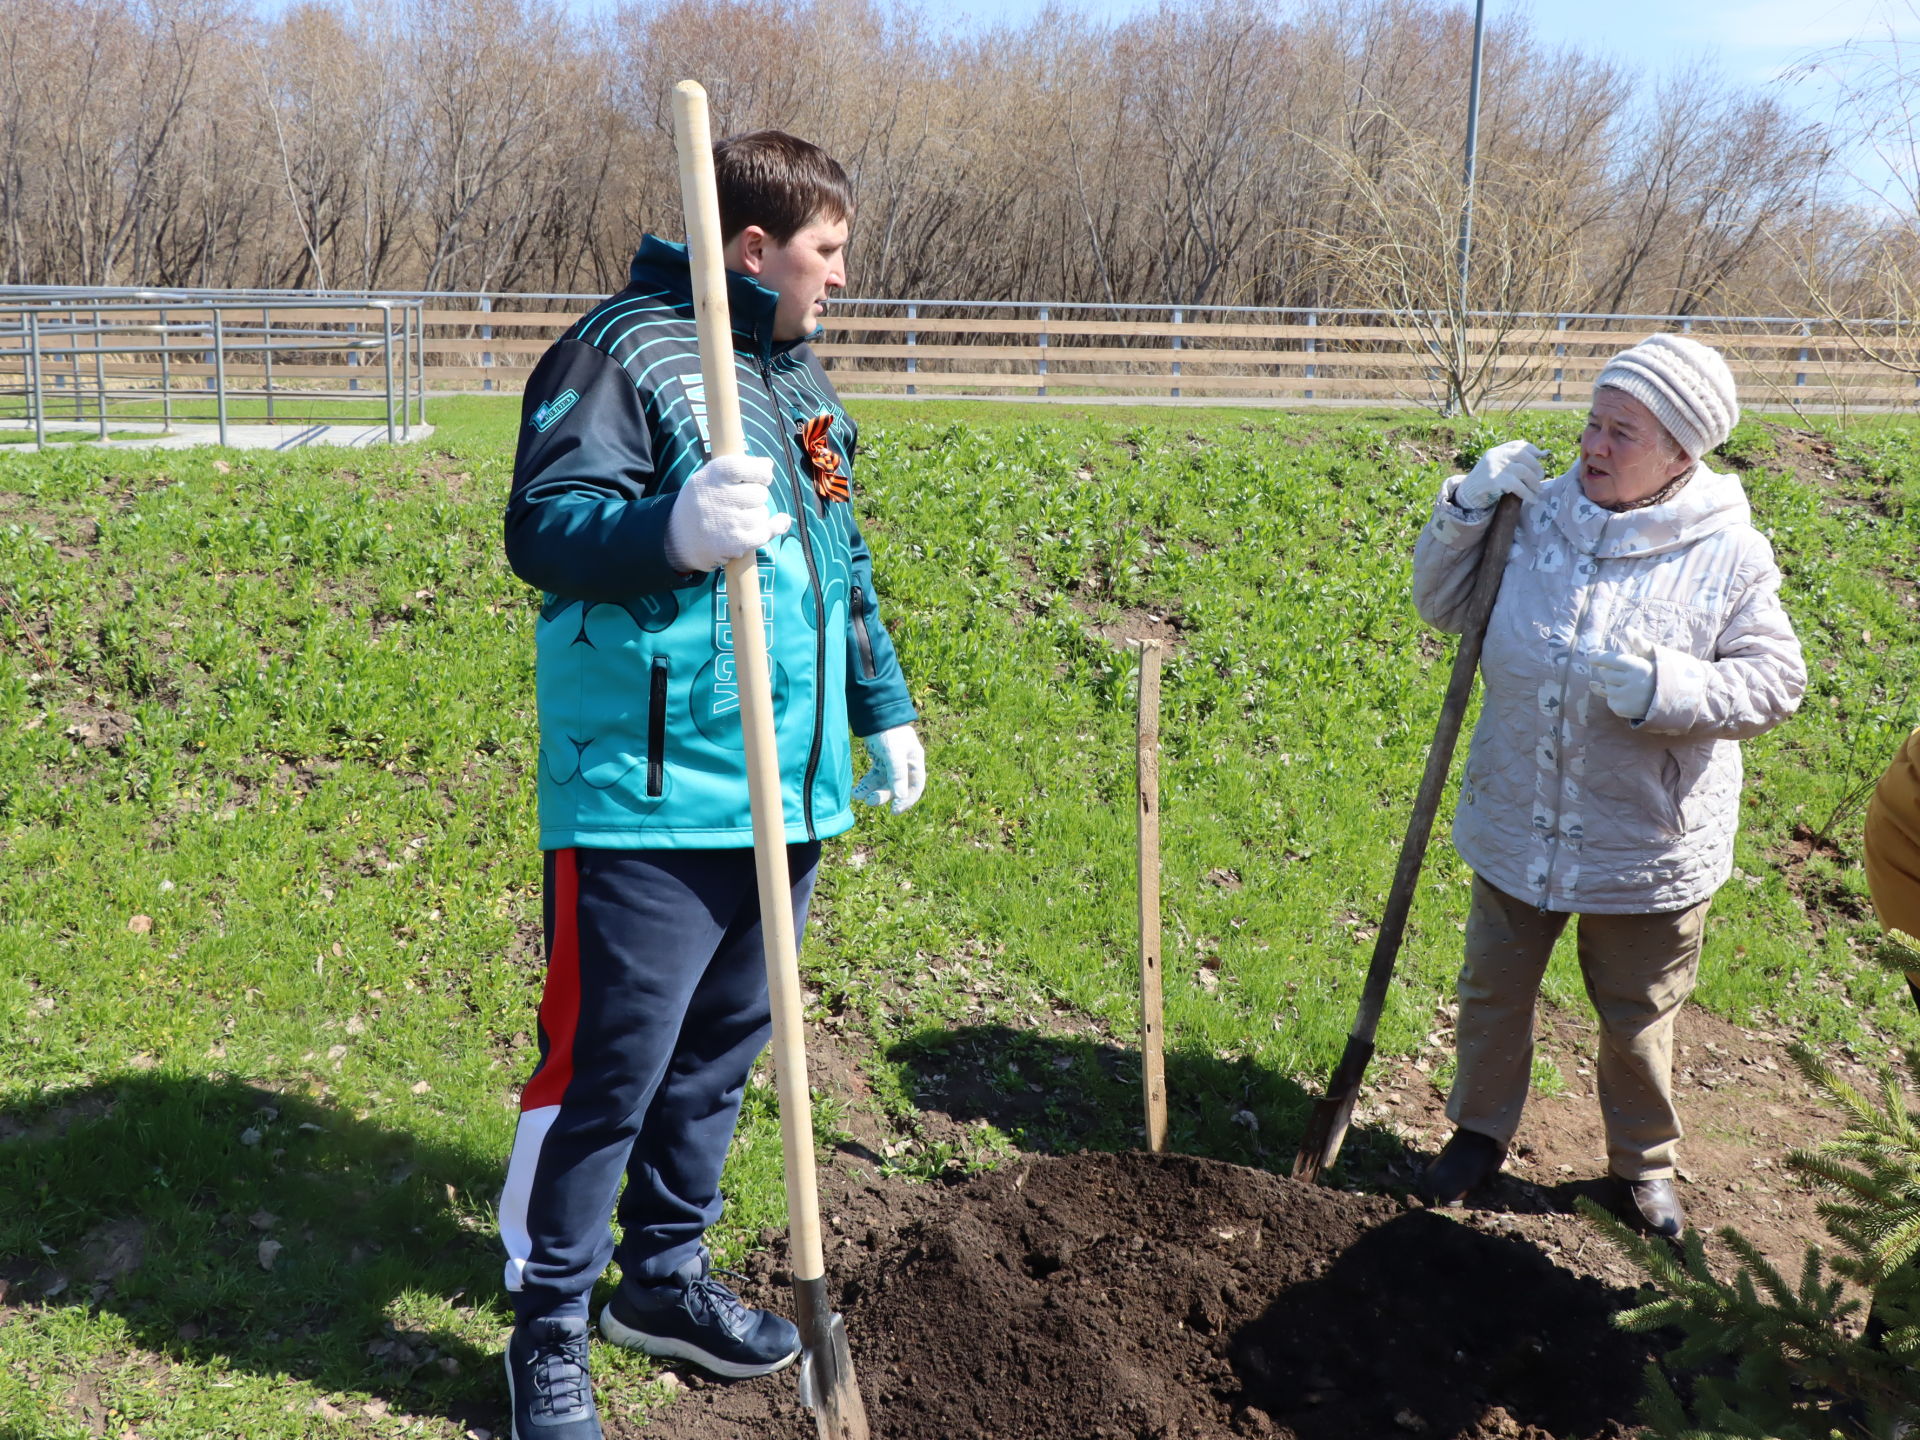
(640, 744)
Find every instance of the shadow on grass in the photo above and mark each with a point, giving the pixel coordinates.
(235, 1227)
(1057, 1094)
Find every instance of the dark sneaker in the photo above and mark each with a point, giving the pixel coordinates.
(694, 1317)
(1467, 1162)
(547, 1381)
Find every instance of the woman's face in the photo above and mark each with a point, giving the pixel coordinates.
(1626, 454)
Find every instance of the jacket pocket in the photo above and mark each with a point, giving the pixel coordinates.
(1674, 786)
(860, 636)
(657, 728)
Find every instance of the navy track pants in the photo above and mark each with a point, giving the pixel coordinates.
(654, 1011)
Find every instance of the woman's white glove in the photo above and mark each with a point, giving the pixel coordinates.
(899, 770)
(721, 513)
(1625, 677)
(1512, 468)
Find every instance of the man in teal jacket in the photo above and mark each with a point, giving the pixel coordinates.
(655, 1004)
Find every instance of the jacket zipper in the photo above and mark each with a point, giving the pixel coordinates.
(819, 603)
(867, 668)
(657, 728)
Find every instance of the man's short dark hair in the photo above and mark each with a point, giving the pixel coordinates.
(779, 182)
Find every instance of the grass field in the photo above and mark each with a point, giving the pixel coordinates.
(270, 954)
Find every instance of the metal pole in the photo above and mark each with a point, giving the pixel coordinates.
(266, 328)
(166, 377)
(100, 371)
(913, 339)
(1559, 353)
(386, 349)
(1458, 400)
(220, 372)
(423, 361)
(406, 372)
(1176, 364)
(1313, 346)
(486, 333)
(39, 395)
(1042, 364)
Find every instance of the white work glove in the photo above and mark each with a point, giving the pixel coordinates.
(899, 771)
(721, 513)
(1625, 677)
(1512, 468)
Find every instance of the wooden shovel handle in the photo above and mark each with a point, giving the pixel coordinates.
(694, 140)
(1413, 850)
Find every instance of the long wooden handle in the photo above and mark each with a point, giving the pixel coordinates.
(1413, 850)
(694, 139)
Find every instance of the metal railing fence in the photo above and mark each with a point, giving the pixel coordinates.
(490, 340)
(79, 358)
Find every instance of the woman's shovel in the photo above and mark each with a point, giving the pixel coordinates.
(827, 1385)
(1327, 1127)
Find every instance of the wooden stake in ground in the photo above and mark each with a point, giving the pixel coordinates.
(827, 1385)
(1153, 1076)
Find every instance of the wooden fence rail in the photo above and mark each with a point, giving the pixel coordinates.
(1029, 351)
(1035, 354)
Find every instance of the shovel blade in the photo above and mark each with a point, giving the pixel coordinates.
(1327, 1126)
(827, 1384)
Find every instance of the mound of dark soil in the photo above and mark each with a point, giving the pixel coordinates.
(1163, 1296)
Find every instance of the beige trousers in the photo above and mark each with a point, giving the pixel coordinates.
(1639, 970)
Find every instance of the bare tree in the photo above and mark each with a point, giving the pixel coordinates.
(1401, 254)
(1865, 278)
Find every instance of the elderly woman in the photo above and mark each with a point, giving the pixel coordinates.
(1637, 640)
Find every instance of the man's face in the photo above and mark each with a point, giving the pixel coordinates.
(803, 272)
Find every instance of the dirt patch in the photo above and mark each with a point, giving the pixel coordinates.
(1806, 452)
(57, 1121)
(1820, 891)
(98, 727)
(1164, 1296)
(1135, 625)
(1814, 458)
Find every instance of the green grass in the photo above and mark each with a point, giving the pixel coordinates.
(280, 706)
(294, 407)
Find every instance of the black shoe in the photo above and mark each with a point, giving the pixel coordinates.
(548, 1383)
(694, 1317)
(1468, 1161)
(1652, 1206)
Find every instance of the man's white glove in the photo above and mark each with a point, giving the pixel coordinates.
(1512, 468)
(1626, 677)
(721, 513)
(899, 771)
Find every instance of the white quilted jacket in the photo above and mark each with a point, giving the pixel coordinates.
(1564, 804)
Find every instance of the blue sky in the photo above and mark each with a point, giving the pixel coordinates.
(1750, 39)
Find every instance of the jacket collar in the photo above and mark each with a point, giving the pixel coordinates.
(1706, 504)
(750, 305)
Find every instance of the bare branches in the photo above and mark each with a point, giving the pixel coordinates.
(1397, 254)
(1174, 157)
(1864, 276)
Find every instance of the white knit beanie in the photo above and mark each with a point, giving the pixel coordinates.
(1686, 385)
